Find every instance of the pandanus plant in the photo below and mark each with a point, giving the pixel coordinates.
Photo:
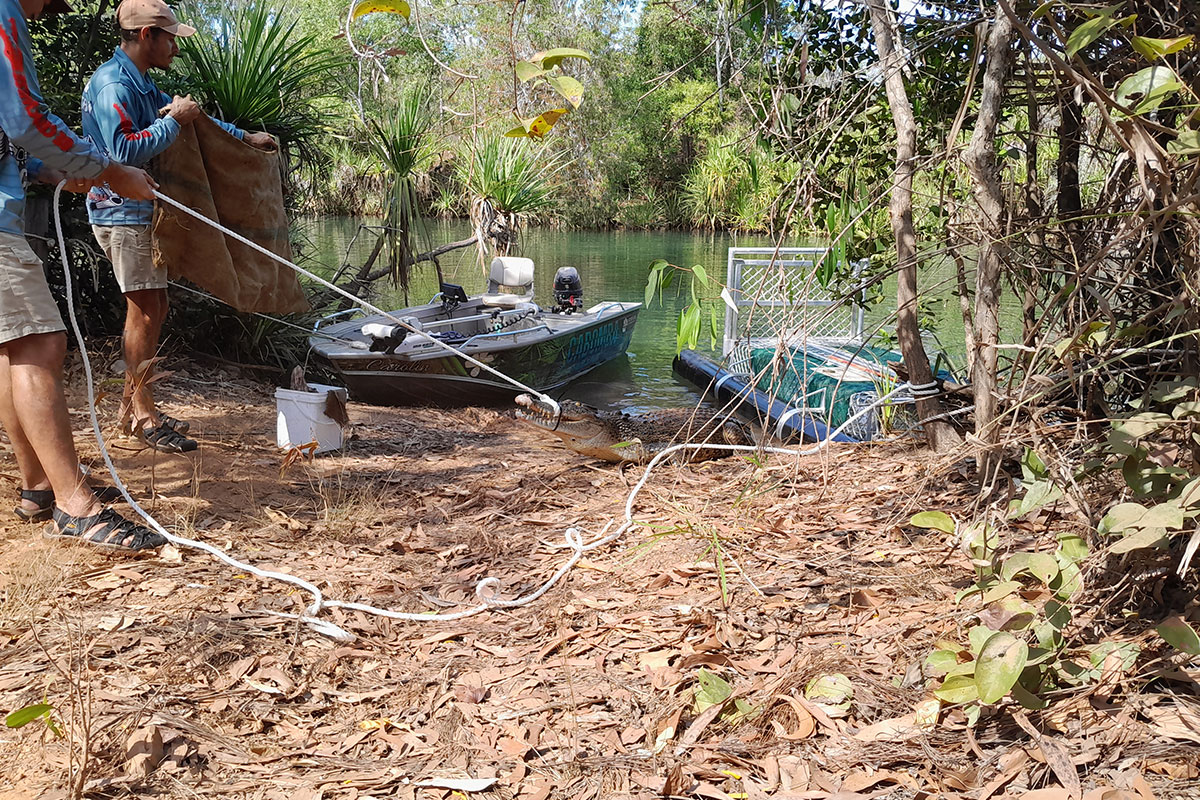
(252, 68)
(507, 180)
(400, 139)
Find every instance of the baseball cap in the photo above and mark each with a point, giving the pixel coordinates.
(57, 7)
(133, 15)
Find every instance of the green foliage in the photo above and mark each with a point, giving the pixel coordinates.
(36, 711)
(701, 311)
(400, 140)
(253, 66)
(713, 690)
(513, 176)
(507, 180)
(736, 185)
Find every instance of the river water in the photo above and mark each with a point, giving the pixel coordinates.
(613, 265)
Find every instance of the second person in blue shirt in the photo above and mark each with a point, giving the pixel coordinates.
(121, 116)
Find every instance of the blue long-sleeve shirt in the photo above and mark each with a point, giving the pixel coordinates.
(29, 124)
(120, 116)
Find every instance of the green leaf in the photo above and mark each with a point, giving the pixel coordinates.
(527, 71)
(999, 591)
(1144, 424)
(1000, 664)
(712, 690)
(1088, 32)
(550, 58)
(1033, 468)
(1040, 565)
(1028, 699)
(1157, 48)
(568, 87)
(1058, 614)
(1187, 141)
(701, 274)
(1121, 517)
(1039, 494)
(23, 716)
(1127, 651)
(652, 286)
(1147, 89)
(1180, 635)
(1163, 515)
(689, 327)
(832, 689)
(939, 662)
(957, 689)
(977, 637)
(1069, 580)
(1189, 495)
(1146, 537)
(1071, 547)
(937, 520)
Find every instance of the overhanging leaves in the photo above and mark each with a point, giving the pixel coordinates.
(364, 7)
(1147, 89)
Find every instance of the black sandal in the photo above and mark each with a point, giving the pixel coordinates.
(117, 532)
(44, 499)
(180, 426)
(166, 439)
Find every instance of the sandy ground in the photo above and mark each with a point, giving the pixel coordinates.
(173, 675)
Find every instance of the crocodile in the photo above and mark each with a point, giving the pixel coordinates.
(635, 438)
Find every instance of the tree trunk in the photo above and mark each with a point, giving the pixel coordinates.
(940, 434)
(980, 158)
(1034, 208)
(1070, 131)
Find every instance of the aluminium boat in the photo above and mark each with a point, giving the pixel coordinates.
(383, 363)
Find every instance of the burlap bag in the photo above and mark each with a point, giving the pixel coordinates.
(237, 185)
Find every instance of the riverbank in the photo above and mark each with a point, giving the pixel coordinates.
(745, 585)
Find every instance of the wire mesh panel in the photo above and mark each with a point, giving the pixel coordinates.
(774, 294)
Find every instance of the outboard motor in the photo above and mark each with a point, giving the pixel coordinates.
(384, 338)
(568, 291)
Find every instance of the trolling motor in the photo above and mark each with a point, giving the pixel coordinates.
(568, 291)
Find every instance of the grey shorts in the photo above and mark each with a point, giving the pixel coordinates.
(128, 248)
(26, 306)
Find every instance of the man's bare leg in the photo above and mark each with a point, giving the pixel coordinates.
(33, 395)
(32, 474)
(145, 312)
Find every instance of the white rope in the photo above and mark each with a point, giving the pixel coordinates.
(486, 588)
(924, 389)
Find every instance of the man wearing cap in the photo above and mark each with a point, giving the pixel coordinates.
(33, 408)
(121, 115)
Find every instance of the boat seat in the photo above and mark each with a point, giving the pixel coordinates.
(510, 282)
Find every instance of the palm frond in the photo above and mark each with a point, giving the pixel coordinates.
(258, 72)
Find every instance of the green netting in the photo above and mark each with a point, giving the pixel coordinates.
(823, 379)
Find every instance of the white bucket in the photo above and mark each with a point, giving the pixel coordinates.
(301, 418)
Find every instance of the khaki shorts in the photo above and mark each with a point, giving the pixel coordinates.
(26, 306)
(128, 248)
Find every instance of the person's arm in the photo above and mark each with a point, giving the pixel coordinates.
(232, 130)
(121, 136)
(24, 115)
